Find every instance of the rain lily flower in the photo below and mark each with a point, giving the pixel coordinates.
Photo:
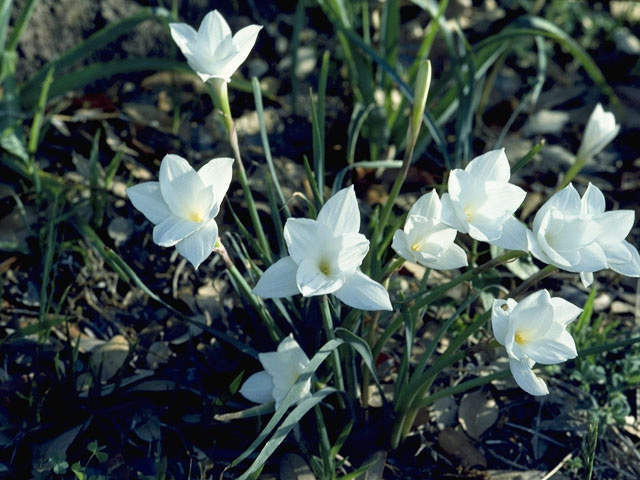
(281, 370)
(621, 256)
(325, 257)
(481, 202)
(534, 331)
(426, 240)
(212, 52)
(601, 129)
(184, 203)
(564, 236)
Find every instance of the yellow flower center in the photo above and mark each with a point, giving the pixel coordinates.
(416, 246)
(520, 338)
(324, 267)
(468, 213)
(196, 216)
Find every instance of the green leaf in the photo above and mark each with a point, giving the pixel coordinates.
(360, 346)
(291, 396)
(283, 430)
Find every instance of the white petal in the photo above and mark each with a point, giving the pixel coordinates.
(550, 351)
(592, 201)
(450, 215)
(217, 173)
(312, 281)
(514, 235)
(526, 379)
(363, 293)
(533, 315)
(279, 280)
(592, 259)
(453, 257)
(182, 188)
(564, 312)
(485, 229)
(147, 198)
(500, 313)
(492, 165)
(199, 245)
(243, 41)
(630, 268)
(213, 30)
(503, 199)
(428, 206)
(586, 278)
(284, 371)
(566, 200)
(185, 37)
(349, 251)
(615, 225)
(340, 213)
(289, 344)
(401, 247)
(305, 238)
(173, 229)
(534, 247)
(258, 388)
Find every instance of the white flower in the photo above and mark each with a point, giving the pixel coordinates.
(534, 331)
(601, 129)
(184, 203)
(426, 240)
(564, 236)
(281, 370)
(481, 202)
(325, 257)
(212, 52)
(621, 256)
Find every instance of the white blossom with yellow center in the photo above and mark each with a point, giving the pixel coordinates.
(481, 202)
(426, 240)
(325, 257)
(184, 203)
(281, 370)
(534, 331)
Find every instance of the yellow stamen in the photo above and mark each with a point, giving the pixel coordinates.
(196, 217)
(324, 267)
(520, 338)
(416, 246)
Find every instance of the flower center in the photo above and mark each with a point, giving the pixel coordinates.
(416, 246)
(468, 213)
(196, 216)
(325, 267)
(520, 338)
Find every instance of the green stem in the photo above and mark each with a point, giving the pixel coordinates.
(468, 275)
(327, 323)
(532, 280)
(572, 172)
(221, 100)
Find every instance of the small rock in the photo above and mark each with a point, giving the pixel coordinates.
(120, 230)
(545, 121)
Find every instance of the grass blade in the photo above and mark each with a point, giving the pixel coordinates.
(95, 42)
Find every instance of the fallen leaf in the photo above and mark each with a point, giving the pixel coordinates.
(457, 445)
(478, 411)
(293, 467)
(111, 356)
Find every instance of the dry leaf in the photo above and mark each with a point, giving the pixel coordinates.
(376, 471)
(111, 356)
(457, 445)
(293, 467)
(443, 412)
(478, 411)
